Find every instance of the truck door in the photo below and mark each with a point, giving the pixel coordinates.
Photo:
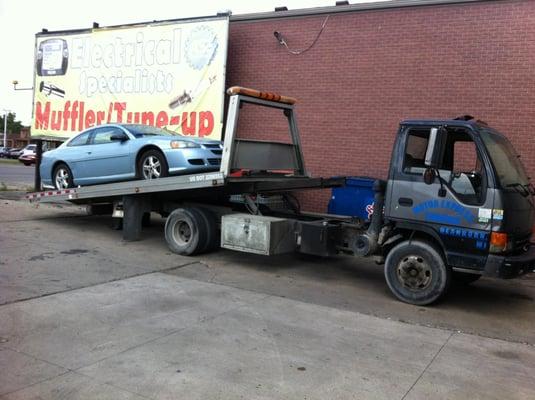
(456, 207)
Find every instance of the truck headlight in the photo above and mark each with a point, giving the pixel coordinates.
(183, 144)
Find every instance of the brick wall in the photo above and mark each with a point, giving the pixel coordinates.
(371, 69)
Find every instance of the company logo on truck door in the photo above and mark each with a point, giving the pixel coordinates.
(444, 212)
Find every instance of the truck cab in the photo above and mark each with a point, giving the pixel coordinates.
(456, 189)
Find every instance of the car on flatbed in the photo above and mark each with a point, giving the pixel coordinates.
(120, 152)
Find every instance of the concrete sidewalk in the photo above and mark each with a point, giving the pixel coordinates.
(160, 336)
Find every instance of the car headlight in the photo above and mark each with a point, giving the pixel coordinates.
(183, 144)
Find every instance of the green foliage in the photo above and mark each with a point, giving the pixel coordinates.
(12, 125)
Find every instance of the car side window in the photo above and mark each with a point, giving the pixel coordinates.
(80, 140)
(103, 135)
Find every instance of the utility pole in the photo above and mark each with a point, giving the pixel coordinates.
(5, 125)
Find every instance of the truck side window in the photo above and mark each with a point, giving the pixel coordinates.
(414, 159)
(467, 177)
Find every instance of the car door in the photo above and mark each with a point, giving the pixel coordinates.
(107, 160)
(74, 154)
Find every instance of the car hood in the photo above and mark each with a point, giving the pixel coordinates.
(184, 138)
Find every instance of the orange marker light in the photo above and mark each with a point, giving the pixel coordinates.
(261, 95)
(498, 242)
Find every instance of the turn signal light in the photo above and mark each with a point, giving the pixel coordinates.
(498, 242)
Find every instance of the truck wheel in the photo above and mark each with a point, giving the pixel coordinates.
(152, 165)
(212, 235)
(62, 177)
(464, 278)
(416, 273)
(185, 231)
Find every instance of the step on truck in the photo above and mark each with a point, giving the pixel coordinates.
(457, 204)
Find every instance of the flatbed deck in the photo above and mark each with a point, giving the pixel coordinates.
(185, 186)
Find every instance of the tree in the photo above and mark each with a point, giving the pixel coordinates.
(12, 125)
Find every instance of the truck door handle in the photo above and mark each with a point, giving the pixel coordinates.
(405, 202)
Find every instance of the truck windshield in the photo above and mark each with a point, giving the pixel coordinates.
(506, 161)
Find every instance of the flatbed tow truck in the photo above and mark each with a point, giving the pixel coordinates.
(434, 220)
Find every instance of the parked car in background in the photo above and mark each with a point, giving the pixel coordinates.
(118, 152)
(4, 152)
(27, 156)
(15, 153)
(27, 159)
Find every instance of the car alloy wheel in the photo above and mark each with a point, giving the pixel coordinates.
(63, 177)
(152, 167)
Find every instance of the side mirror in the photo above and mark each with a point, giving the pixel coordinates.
(429, 176)
(118, 137)
(435, 148)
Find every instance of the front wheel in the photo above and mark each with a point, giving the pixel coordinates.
(416, 272)
(152, 165)
(62, 177)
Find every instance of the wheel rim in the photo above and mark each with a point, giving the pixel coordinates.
(414, 273)
(152, 167)
(62, 178)
(182, 233)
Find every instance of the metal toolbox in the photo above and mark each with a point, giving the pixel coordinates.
(258, 234)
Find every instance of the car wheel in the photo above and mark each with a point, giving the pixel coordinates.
(62, 177)
(152, 165)
(417, 273)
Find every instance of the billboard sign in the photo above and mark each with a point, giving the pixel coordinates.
(167, 74)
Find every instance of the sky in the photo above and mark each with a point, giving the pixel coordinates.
(21, 19)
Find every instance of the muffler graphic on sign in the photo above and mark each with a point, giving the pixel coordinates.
(48, 89)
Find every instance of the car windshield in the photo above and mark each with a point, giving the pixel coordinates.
(506, 161)
(147, 130)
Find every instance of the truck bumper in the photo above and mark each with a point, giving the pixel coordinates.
(510, 266)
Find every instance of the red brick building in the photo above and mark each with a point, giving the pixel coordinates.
(376, 64)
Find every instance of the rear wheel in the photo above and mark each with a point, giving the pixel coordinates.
(62, 177)
(185, 231)
(212, 234)
(152, 165)
(416, 272)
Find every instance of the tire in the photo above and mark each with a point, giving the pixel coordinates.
(152, 165)
(185, 232)
(416, 272)
(62, 177)
(464, 278)
(212, 234)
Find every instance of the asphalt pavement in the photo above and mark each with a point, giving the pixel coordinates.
(86, 315)
(16, 175)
